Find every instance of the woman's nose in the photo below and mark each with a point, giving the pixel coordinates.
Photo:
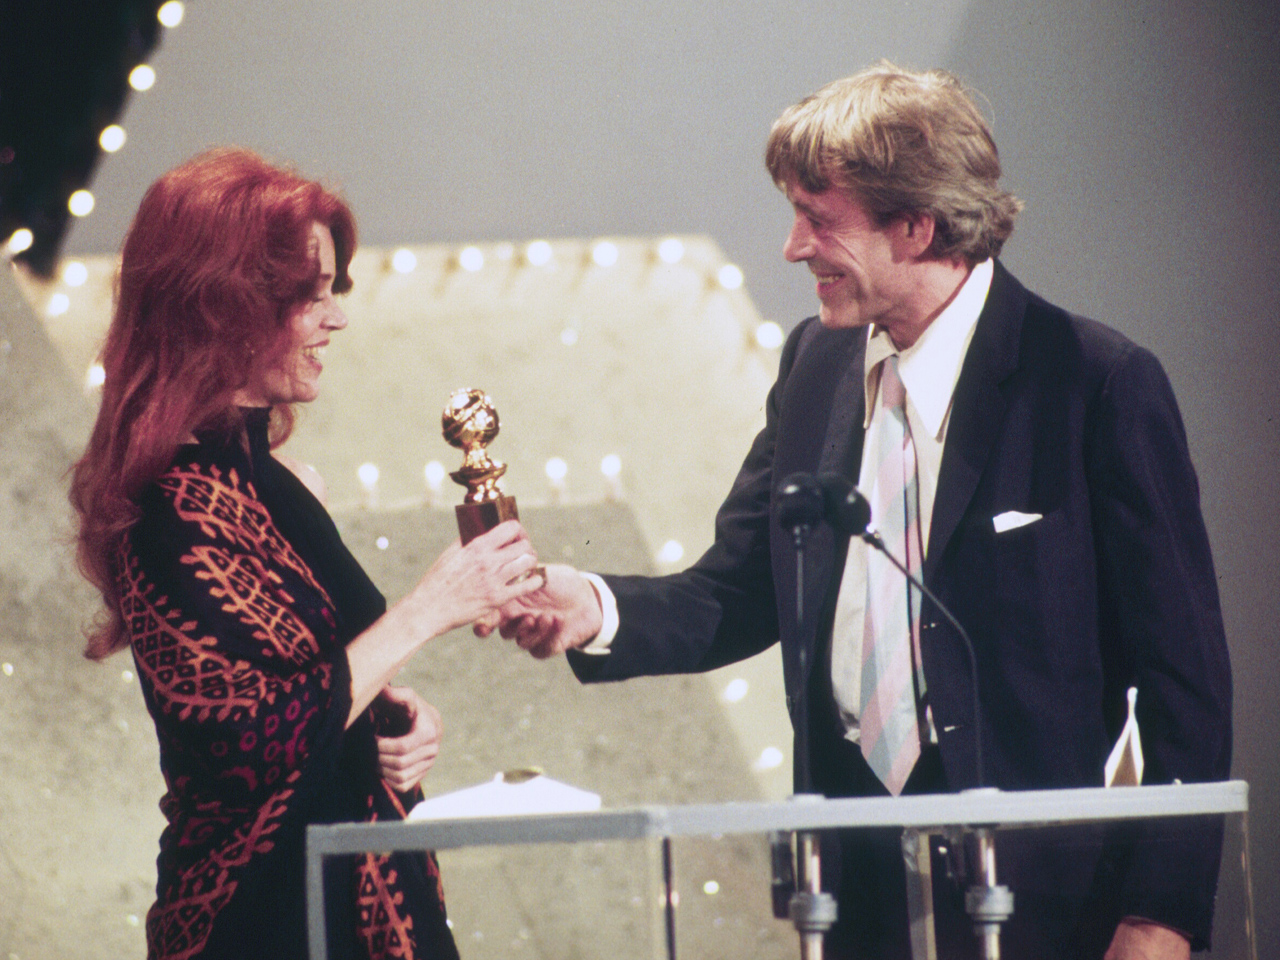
(335, 319)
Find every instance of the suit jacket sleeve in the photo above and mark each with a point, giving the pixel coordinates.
(723, 608)
(1161, 630)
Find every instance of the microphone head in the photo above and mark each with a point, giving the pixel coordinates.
(800, 501)
(845, 508)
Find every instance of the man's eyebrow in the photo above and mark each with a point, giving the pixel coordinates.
(808, 209)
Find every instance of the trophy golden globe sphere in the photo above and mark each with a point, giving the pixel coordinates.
(469, 420)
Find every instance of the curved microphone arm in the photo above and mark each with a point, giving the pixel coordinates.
(874, 539)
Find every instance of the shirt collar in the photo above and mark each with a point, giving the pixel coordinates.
(930, 367)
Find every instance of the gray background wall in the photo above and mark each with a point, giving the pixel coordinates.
(1142, 136)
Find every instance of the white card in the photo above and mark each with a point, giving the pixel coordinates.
(1012, 519)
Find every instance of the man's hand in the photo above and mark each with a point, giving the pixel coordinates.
(404, 760)
(563, 615)
(1138, 939)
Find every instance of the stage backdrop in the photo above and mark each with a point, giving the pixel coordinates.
(640, 350)
(1143, 137)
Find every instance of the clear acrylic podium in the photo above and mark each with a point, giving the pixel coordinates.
(979, 811)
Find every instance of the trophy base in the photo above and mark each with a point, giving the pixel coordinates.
(477, 518)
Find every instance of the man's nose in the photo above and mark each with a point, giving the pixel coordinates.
(799, 245)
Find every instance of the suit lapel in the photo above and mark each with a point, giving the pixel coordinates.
(820, 413)
(841, 454)
(842, 445)
(977, 409)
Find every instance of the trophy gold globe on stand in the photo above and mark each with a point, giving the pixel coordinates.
(470, 423)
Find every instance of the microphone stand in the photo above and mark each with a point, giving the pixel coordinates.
(811, 911)
(988, 903)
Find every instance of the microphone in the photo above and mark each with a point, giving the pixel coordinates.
(801, 504)
(848, 511)
(844, 507)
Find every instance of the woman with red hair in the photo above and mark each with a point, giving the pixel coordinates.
(264, 651)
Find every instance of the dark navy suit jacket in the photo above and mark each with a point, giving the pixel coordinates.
(1114, 587)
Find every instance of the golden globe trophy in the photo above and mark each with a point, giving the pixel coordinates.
(470, 423)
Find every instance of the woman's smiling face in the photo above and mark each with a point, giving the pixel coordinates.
(295, 378)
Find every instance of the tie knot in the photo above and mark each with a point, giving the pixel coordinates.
(892, 393)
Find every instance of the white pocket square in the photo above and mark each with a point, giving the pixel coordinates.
(1012, 519)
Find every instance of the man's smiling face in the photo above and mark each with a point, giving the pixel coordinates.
(859, 270)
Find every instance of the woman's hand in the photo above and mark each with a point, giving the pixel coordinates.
(463, 585)
(404, 760)
(563, 615)
(467, 583)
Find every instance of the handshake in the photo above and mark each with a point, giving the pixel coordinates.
(565, 613)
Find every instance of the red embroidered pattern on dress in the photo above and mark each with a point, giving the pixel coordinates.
(178, 929)
(240, 579)
(385, 931)
(259, 719)
(187, 673)
(225, 511)
(415, 795)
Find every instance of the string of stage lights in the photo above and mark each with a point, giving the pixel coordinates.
(48, 148)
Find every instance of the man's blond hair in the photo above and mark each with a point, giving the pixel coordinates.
(901, 143)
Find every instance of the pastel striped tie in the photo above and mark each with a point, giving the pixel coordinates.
(892, 683)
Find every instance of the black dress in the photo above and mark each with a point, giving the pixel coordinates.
(239, 597)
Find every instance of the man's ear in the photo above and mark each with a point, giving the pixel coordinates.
(914, 233)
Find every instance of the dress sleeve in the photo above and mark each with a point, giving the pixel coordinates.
(234, 642)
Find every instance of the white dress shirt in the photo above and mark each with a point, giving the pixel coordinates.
(929, 370)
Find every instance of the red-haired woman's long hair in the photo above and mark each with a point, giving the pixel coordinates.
(217, 259)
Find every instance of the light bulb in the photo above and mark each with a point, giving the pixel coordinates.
(471, 259)
(730, 277)
(770, 759)
(671, 250)
(769, 335)
(111, 138)
(538, 253)
(142, 77)
(671, 552)
(20, 240)
(605, 254)
(170, 13)
(404, 260)
(74, 273)
(80, 203)
(557, 470)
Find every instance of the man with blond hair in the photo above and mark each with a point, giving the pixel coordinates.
(1031, 465)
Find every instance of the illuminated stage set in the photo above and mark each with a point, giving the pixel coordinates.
(629, 374)
(641, 356)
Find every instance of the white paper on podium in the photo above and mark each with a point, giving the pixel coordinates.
(502, 798)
